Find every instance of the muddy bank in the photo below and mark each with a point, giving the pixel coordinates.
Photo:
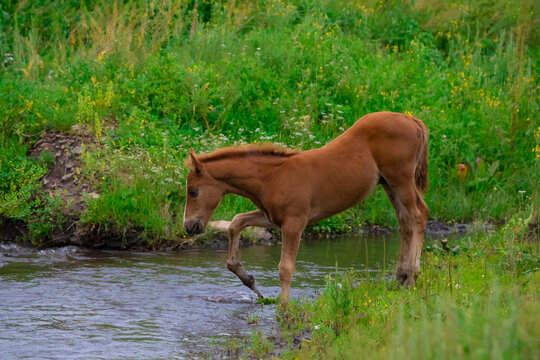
(103, 237)
(98, 237)
(434, 228)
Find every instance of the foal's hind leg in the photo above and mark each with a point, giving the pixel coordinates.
(239, 222)
(411, 212)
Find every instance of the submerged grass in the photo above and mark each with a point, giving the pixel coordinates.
(477, 301)
(148, 80)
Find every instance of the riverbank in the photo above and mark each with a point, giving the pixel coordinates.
(216, 236)
(87, 107)
(63, 196)
(110, 239)
(476, 298)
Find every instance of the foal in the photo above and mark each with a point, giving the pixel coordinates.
(292, 189)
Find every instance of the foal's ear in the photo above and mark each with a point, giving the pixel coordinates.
(195, 162)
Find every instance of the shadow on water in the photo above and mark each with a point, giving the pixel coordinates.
(75, 303)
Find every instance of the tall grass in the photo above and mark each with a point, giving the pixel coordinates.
(477, 301)
(151, 79)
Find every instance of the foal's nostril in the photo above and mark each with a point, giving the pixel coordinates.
(193, 227)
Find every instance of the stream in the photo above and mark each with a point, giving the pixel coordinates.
(73, 303)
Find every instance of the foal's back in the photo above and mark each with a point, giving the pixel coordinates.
(388, 139)
(330, 179)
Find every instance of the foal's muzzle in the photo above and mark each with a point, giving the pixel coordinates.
(194, 227)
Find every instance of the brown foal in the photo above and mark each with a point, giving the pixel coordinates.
(294, 188)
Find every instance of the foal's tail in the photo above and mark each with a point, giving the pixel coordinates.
(421, 171)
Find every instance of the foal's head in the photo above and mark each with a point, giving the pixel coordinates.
(203, 194)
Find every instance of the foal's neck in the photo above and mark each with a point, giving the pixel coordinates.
(244, 176)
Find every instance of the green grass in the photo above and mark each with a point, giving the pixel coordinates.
(148, 81)
(480, 302)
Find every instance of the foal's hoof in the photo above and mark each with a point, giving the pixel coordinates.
(257, 292)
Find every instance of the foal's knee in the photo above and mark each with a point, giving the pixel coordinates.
(236, 224)
(421, 221)
(233, 230)
(406, 230)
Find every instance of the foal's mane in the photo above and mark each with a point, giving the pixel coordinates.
(265, 150)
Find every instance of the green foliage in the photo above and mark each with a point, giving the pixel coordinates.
(479, 303)
(93, 107)
(142, 190)
(151, 77)
(46, 158)
(267, 300)
(260, 345)
(49, 215)
(20, 178)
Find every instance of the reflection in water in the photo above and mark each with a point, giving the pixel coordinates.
(74, 303)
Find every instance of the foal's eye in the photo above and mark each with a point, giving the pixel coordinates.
(193, 192)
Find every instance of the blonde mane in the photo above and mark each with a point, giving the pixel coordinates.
(264, 150)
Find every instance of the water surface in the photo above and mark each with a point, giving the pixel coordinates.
(72, 303)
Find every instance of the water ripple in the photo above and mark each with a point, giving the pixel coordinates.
(72, 303)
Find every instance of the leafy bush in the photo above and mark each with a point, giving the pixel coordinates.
(159, 78)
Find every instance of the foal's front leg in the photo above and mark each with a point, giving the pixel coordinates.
(239, 222)
(290, 242)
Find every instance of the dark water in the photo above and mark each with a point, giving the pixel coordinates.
(71, 303)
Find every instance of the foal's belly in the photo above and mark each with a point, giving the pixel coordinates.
(323, 211)
(332, 179)
(327, 201)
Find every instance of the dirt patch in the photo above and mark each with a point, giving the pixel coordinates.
(64, 180)
(220, 240)
(11, 230)
(64, 176)
(435, 228)
(282, 345)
